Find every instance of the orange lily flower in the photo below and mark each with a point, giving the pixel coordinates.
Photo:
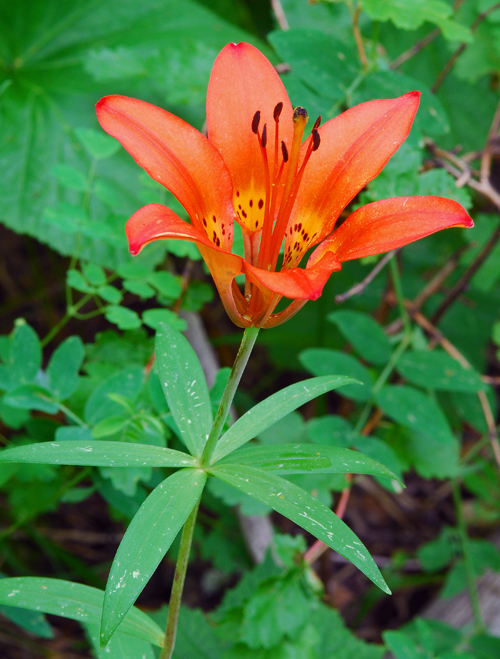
(255, 169)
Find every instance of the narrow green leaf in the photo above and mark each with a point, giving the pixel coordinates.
(185, 387)
(64, 366)
(303, 509)
(120, 646)
(98, 454)
(146, 541)
(74, 601)
(274, 408)
(306, 458)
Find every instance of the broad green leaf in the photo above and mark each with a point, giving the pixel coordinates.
(31, 397)
(64, 366)
(31, 621)
(303, 509)
(432, 448)
(74, 601)
(100, 405)
(49, 88)
(307, 458)
(146, 542)
(274, 408)
(120, 646)
(323, 361)
(98, 454)
(410, 16)
(25, 353)
(185, 387)
(403, 646)
(438, 370)
(364, 334)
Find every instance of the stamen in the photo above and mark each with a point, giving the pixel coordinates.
(315, 139)
(263, 139)
(255, 122)
(317, 123)
(284, 151)
(300, 114)
(277, 111)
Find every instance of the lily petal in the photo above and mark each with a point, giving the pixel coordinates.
(354, 147)
(384, 225)
(155, 221)
(243, 82)
(179, 157)
(296, 283)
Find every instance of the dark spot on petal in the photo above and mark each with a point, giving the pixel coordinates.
(250, 203)
(204, 222)
(214, 218)
(237, 193)
(260, 204)
(244, 214)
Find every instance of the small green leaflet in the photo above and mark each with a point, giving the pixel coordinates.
(146, 541)
(96, 453)
(75, 601)
(274, 408)
(306, 458)
(185, 387)
(303, 509)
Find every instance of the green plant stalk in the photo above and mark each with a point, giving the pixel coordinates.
(469, 567)
(398, 289)
(178, 585)
(247, 343)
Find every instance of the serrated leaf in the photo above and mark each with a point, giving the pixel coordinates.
(97, 454)
(364, 334)
(146, 541)
(166, 283)
(125, 319)
(323, 361)
(99, 145)
(110, 294)
(185, 388)
(438, 370)
(74, 601)
(274, 408)
(155, 317)
(303, 509)
(308, 458)
(76, 280)
(64, 366)
(94, 273)
(140, 288)
(410, 16)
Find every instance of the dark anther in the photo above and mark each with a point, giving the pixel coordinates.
(316, 139)
(300, 113)
(284, 151)
(263, 139)
(317, 123)
(255, 122)
(277, 111)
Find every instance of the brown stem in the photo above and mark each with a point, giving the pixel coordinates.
(358, 38)
(357, 289)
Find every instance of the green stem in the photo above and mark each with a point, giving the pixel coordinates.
(247, 343)
(398, 289)
(468, 563)
(178, 585)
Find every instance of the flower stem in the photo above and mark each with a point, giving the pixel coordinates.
(247, 343)
(178, 585)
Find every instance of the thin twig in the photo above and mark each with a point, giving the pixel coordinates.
(357, 289)
(279, 14)
(358, 37)
(485, 167)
